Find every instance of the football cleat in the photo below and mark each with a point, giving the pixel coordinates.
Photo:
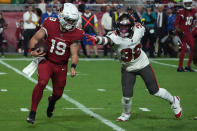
(31, 117)
(50, 108)
(180, 69)
(176, 106)
(189, 69)
(123, 117)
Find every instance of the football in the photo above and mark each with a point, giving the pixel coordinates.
(42, 46)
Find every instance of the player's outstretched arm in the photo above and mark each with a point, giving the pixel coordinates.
(74, 48)
(101, 40)
(34, 40)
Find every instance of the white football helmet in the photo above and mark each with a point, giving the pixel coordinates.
(187, 4)
(68, 16)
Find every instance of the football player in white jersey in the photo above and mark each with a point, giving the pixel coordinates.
(126, 42)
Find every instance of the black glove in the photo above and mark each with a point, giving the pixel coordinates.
(181, 34)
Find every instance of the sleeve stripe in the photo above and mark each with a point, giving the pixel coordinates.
(102, 40)
(45, 30)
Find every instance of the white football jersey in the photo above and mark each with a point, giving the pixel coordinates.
(128, 50)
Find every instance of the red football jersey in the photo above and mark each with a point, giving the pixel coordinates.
(59, 42)
(185, 19)
(194, 31)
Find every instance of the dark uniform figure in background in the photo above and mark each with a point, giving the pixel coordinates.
(3, 26)
(194, 33)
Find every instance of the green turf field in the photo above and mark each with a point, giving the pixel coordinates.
(85, 108)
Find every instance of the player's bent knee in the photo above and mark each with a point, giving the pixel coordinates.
(58, 92)
(153, 89)
(42, 83)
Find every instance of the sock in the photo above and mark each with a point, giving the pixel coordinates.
(190, 58)
(126, 104)
(182, 55)
(164, 94)
(36, 97)
(54, 98)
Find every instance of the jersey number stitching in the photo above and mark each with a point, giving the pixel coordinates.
(52, 19)
(128, 53)
(60, 47)
(189, 20)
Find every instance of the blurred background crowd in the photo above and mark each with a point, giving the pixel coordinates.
(20, 19)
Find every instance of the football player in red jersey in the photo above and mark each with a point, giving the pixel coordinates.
(61, 39)
(183, 24)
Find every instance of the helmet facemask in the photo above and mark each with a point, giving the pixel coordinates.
(187, 5)
(68, 16)
(67, 23)
(124, 27)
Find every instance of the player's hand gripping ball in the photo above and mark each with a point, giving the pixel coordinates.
(40, 49)
(43, 48)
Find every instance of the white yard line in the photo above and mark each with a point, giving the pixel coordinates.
(165, 64)
(2, 73)
(24, 109)
(91, 59)
(80, 109)
(69, 99)
(101, 90)
(144, 109)
(3, 90)
(81, 59)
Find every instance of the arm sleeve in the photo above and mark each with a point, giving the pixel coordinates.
(45, 25)
(35, 18)
(138, 34)
(25, 17)
(177, 19)
(103, 20)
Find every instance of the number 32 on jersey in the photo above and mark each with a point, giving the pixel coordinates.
(60, 47)
(128, 54)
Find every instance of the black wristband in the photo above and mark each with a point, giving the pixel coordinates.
(73, 65)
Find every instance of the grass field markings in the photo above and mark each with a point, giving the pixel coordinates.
(67, 90)
(92, 59)
(78, 74)
(4, 90)
(101, 90)
(165, 64)
(24, 109)
(80, 109)
(144, 109)
(71, 100)
(81, 59)
(3, 73)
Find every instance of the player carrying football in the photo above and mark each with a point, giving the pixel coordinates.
(183, 24)
(126, 41)
(61, 39)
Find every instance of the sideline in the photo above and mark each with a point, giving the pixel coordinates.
(165, 64)
(90, 59)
